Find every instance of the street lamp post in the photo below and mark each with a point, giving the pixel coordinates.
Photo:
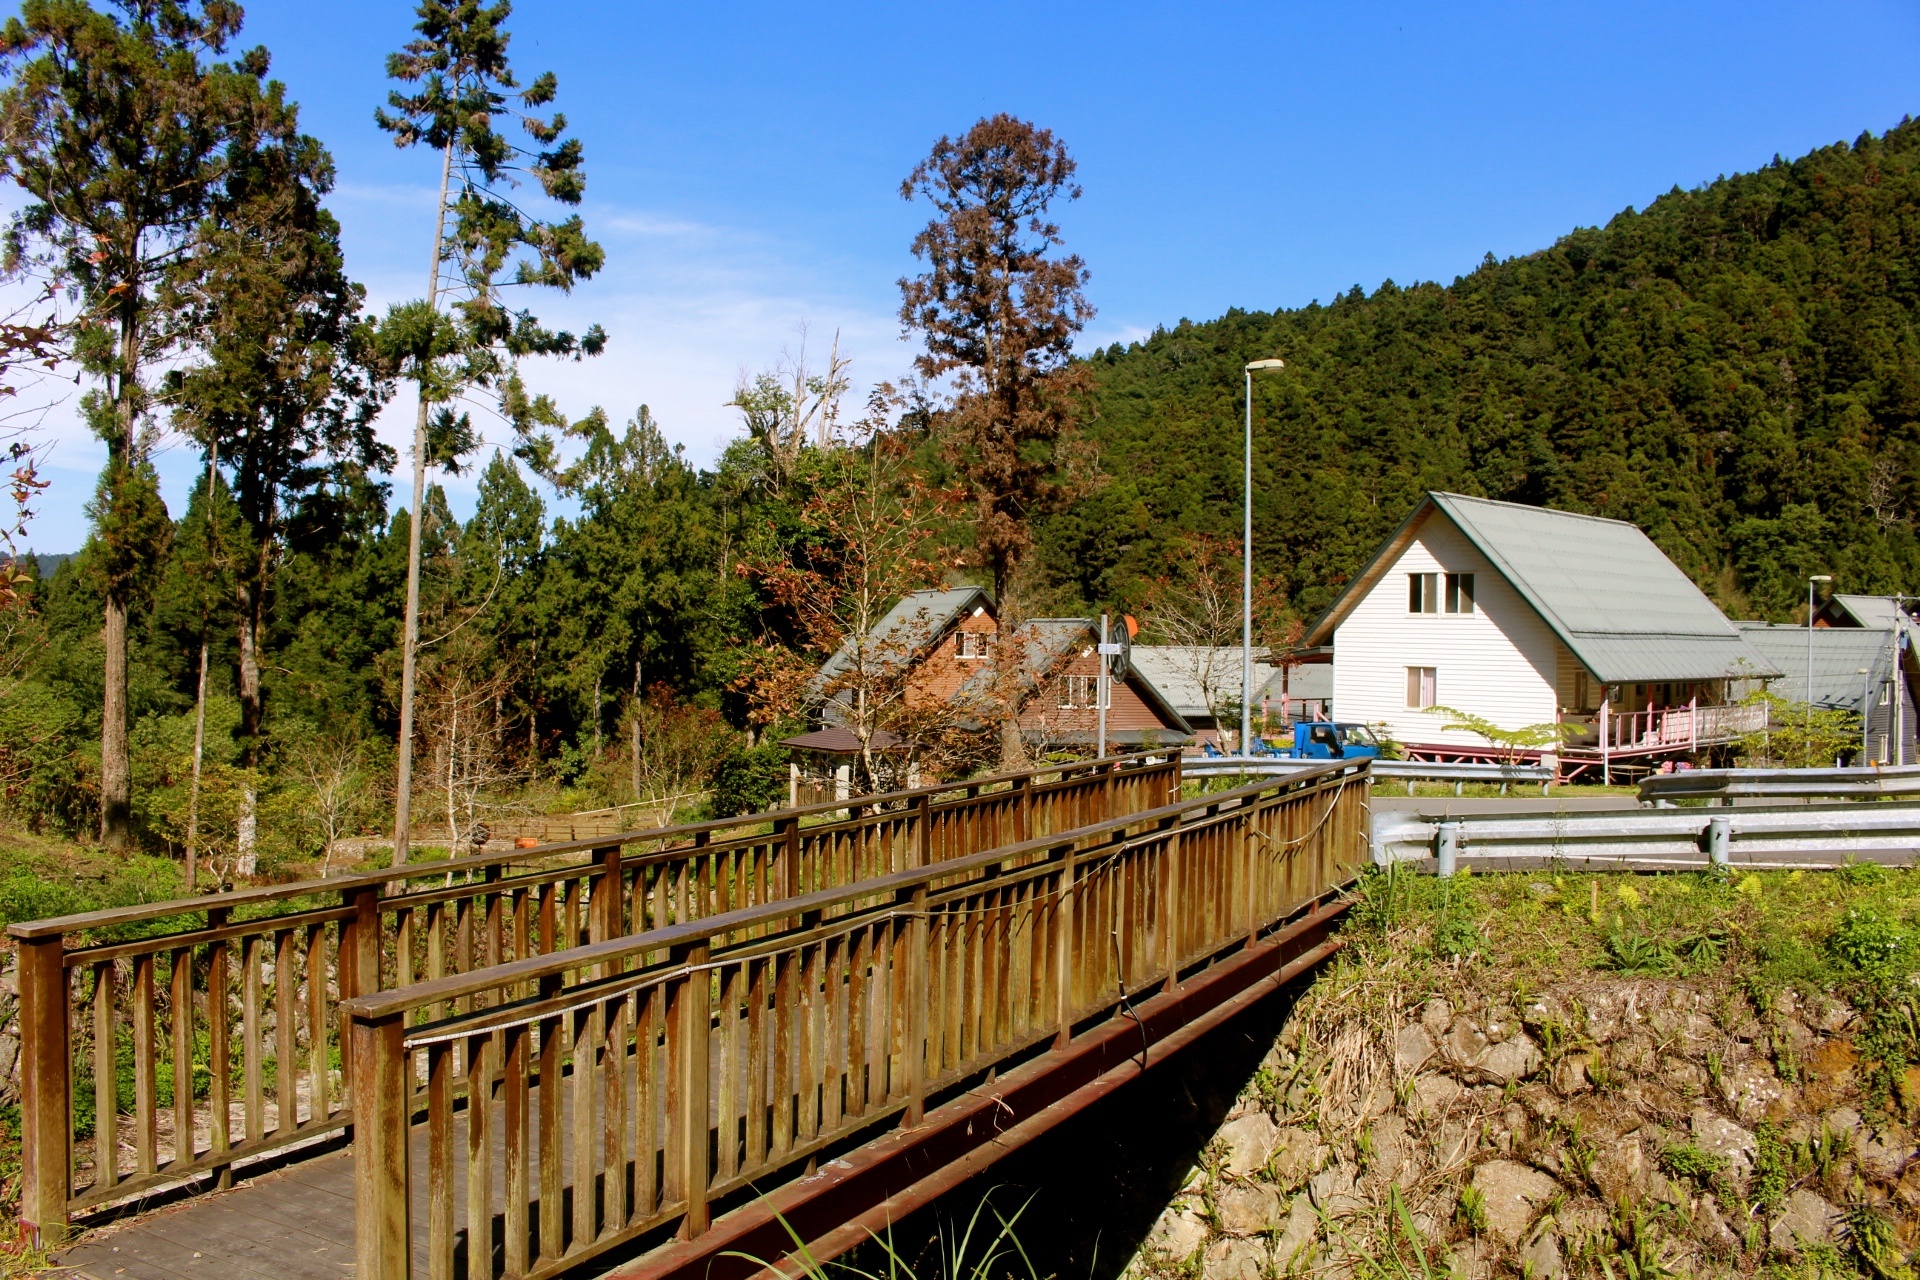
(1246, 568)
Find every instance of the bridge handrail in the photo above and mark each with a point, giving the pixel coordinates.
(140, 913)
(361, 933)
(799, 1023)
(518, 972)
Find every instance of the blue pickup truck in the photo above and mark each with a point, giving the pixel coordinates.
(1330, 740)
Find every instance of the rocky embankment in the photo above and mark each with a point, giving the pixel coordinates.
(1610, 1126)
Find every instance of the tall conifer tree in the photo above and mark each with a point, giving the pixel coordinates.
(458, 85)
(118, 129)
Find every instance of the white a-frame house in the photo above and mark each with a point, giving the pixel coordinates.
(1524, 616)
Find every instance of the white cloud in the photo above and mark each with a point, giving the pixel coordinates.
(686, 305)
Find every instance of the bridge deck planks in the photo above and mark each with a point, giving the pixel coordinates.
(293, 1224)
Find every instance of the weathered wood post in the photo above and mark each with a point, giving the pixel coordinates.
(689, 1011)
(46, 1084)
(382, 1243)
(1170, 900)
(1063, 953)
(219, 1048)
(919, 941)
(359, 964)
(789, 877)
(607, 897)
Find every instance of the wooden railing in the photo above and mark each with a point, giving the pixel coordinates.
(578, 1101)
(1664, 728)
(236, 994)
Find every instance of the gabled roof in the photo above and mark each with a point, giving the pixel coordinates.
(1622, 608)
(838, 740)
(1046, 642)
(916, 621)
(1877, 613)
(1838, 655)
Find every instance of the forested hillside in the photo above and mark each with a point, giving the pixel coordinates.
(1735, 368)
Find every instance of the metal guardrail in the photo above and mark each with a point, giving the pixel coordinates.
(1408, 771)
(1802, 835)
(1783, 784)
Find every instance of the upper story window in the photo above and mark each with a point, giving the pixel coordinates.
(1459, 593)
(1079, 691)
(970, 644)
(1423, 595)
(1435, 592)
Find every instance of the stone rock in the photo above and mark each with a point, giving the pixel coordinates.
(1699, 1034)
(1842, 1122)
(1884, 1156)
(1510, 1060)
(1463, 1045)
(1620, 1170)
(1475, 1260)
(1710, 1228)
(1515, 1195)
(1332, 1189)
(1752, 1090)
(1390, 1149)
(1296, 1154)
(1805, 1219)
(1831, 1016)
(1540, 1103)
(1432, 1095)
(1248, 1209)
(1570, 1074)
(1239, 1259)
(1436, 1017)
(1296, 1237)
(1540, 1260)
(1248, 1143)
(1719, 1136)
(1411, 1049)
(1177, 1233)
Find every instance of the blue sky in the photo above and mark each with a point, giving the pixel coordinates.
(744, 161)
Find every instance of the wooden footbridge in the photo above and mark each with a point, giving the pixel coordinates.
(650, 1054)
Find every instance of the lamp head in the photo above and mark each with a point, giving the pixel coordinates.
(1260, 366)
(1820, 577)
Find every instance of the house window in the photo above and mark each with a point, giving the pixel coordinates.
(1459, 593)
(1423, 594)
(1886, 693)
(1420, 688)
(970, 644)
(1079, 691)
(1581, 702)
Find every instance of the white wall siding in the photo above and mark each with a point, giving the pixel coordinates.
(1498, 661)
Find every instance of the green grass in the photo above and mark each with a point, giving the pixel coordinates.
(1853, 933)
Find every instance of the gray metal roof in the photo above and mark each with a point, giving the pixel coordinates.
(1875, 612)
(1182, 673)
(917, 620)
(1046, 641)
(1838, 655)
(1624, 610)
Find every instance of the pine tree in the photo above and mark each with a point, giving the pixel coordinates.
(118, 130)
(483, 244)
(282, 393)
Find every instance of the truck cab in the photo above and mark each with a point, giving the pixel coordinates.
(1333, 740)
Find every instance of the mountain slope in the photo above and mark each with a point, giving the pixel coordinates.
(1736, 369)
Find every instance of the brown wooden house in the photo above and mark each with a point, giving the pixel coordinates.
(948, 640)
